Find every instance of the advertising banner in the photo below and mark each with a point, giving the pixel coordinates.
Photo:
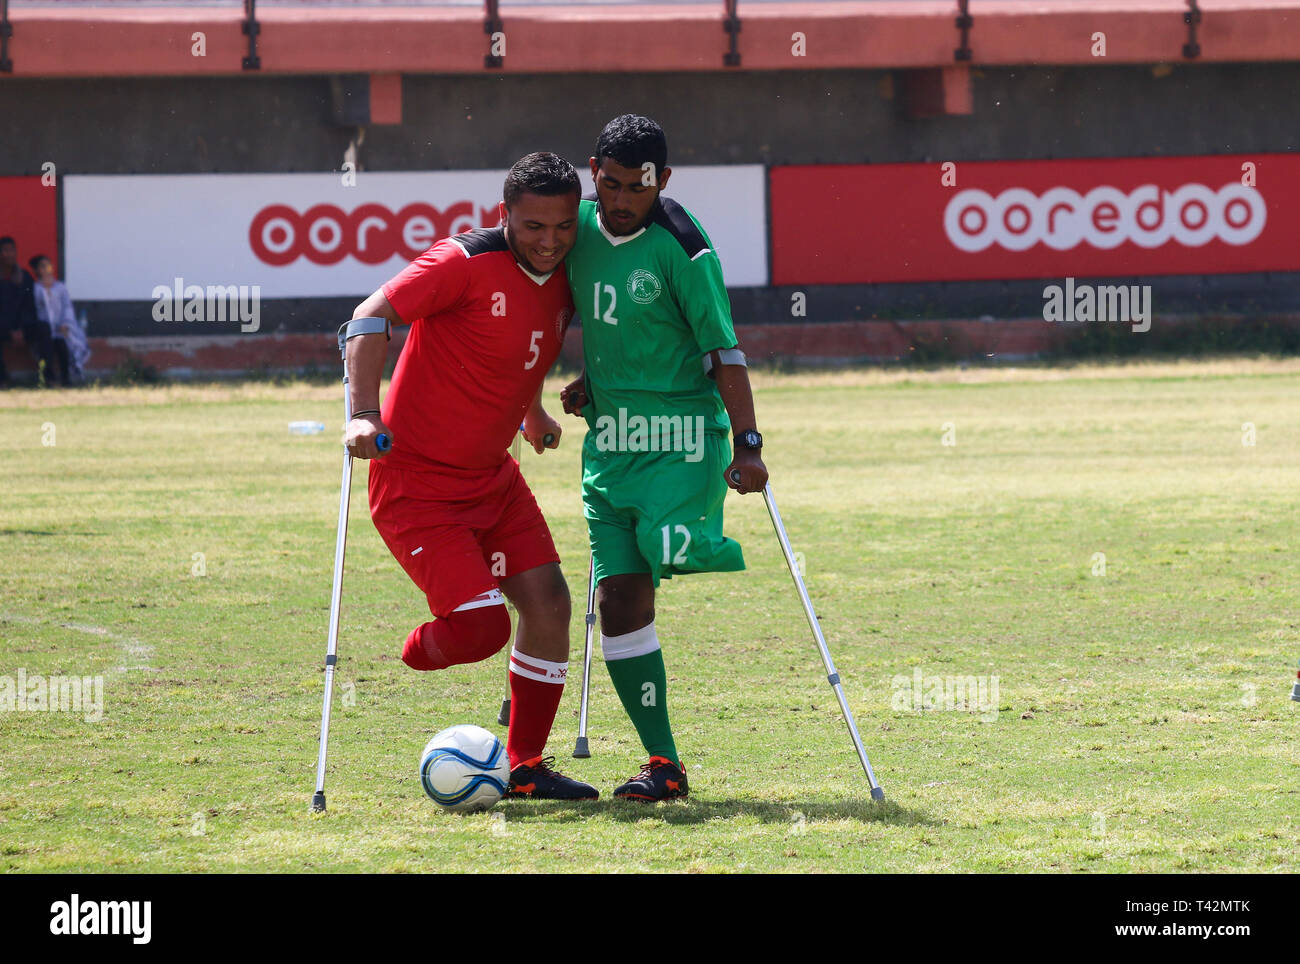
(313, 235)
(965, 221)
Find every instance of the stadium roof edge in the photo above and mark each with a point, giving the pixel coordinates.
(124, 40)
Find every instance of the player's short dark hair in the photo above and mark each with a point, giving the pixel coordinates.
(34, 262)
(7, 240)
(541, 173)
(631, 140)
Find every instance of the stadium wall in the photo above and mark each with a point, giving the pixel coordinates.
(288, 124)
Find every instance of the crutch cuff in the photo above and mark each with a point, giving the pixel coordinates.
(364, 326)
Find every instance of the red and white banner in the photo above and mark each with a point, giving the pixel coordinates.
(856, 224)
(308, 235)
(28, 214)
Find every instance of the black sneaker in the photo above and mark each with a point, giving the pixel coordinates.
(660, 779)
(539, 782)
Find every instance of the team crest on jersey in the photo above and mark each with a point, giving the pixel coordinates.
(643, 286)
(562, 322)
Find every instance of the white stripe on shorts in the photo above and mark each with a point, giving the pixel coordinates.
(492, 597)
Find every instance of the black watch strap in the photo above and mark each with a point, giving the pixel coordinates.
(749, 439)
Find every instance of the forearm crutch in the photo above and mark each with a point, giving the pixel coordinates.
(359, 326)
(580, 749)
(877, 792)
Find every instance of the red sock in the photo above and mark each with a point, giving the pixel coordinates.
(536, 686)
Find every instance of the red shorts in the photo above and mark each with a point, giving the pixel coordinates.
(457, 531)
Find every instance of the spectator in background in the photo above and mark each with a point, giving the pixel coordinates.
(18, 311)
(54, 306)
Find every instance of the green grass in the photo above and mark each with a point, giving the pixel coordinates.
(1142, 721)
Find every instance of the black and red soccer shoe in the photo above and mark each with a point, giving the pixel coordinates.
(536, 780)
(660, 779)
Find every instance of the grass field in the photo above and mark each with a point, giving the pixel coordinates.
(1134, 714)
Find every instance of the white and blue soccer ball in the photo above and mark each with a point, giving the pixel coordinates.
(464, 768)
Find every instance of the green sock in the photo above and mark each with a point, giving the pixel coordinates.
(642, 684)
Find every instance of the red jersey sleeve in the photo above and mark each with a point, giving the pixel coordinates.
(432, 283)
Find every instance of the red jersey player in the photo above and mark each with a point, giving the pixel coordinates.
(488, 310)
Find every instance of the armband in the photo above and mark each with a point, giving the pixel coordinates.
(727, 356)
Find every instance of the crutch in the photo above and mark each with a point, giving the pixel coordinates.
(877, 792)
(503, 717)
(580, 749)
(346, 331)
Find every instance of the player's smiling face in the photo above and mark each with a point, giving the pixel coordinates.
(541, 229)
(625, 194)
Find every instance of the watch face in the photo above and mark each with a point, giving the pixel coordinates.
(752, 439)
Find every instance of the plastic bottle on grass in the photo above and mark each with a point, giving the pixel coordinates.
(306, 428)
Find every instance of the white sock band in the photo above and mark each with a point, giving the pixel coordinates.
(636, 643)
(542, 670)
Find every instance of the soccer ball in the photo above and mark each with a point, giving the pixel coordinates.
(464, 768)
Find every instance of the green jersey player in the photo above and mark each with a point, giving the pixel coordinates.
(664, 386)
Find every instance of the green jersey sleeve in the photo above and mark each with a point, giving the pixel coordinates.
(702, 298)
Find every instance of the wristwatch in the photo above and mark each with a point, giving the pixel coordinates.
(749, 440)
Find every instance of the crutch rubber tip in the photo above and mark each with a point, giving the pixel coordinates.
(318, 801)
(580, 750)
(504, 716)
(877, 793)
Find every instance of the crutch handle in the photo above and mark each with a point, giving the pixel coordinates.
(735, 476)
(383, 442)
(547, 440)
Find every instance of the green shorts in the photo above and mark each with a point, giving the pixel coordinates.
(656, 512)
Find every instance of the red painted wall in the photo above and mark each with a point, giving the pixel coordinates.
(28, 215)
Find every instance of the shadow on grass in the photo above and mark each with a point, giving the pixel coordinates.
(698, 810)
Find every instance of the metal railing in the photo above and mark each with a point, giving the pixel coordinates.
(732, 23)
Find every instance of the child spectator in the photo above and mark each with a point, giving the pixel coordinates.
(54, 306)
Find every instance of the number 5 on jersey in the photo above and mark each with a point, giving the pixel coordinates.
(608, 317)
(534, 351)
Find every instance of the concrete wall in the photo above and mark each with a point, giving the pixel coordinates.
(249, 124)
(120, 126)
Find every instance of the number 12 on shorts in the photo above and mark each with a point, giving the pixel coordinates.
(669, 531)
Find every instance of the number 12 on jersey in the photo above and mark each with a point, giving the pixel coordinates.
(608, 317)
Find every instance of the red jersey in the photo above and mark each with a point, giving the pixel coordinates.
(484, 332)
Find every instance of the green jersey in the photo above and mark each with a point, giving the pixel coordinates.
(653, 305)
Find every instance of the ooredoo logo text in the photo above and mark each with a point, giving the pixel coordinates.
(1105, 217)
(371, 233)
